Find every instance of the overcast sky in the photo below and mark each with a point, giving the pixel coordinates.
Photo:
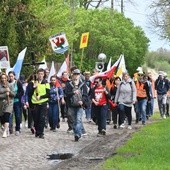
(139, 12)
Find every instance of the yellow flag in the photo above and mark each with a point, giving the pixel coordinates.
(84, 40)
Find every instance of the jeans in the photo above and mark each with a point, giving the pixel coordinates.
(88, 113)
(141, 109)
(101, 114)
(125, 111)
(18, 113)
(162, 104)
(150, 107)
(53, 115)
(77, 113)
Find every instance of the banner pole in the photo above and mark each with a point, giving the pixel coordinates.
(82, 54)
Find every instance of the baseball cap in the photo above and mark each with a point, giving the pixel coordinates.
(76, 71)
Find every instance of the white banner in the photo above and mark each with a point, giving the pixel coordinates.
(4, 57)
(59, 43)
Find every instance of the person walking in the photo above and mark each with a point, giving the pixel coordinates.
(77, 97)
(125, 98)
(41, 89)
(162, 87)
(115, 113)
(143, 96)
(56, 95)
(19, 92)
(100, 96)
(7, 93)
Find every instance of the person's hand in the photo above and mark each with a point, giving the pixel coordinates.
(96, 103)
(7, 89)
(35, 84)
(106, 92)
(38, 97)
(7, 93)
(63, 101)
(80, 103)
(76, 92)
(27, 104)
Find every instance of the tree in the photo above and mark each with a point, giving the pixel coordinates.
(20, 28)
(160, 18)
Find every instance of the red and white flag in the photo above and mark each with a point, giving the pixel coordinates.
(106, 74)
(52, 71)
(64, 67)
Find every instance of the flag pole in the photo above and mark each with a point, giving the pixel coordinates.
(82, 54)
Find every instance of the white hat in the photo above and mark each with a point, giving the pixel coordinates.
(140, 72)
(161, 73)
(139, 69)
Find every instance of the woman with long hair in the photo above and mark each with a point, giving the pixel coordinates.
(7, 93)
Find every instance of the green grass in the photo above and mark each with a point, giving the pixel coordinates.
(148, 149)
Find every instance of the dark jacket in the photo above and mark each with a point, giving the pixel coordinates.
(162, 86)
(69, 93)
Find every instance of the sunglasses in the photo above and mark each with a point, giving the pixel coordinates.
(96, 82)
(140, 74)
(76, 74)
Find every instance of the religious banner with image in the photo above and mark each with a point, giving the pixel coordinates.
(4, 57)
(59, 43)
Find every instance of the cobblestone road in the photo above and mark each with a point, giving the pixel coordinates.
(27, 152)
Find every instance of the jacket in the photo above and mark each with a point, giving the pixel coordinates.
(126, 93)
(162, 86)
(69, 93)
(6, 104)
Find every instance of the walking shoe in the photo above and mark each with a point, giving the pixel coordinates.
(55, 130)
(164, 117)
(115, 126)
(69, 130)
(76, 138)
(108, 122)
(103, 132)
(143, 123)
(17, 133)
(122, 126)
(33, 130)
(99, 134)
(84, 134)
(130, 127)
(58, 125)
(4, 134)
(41, 136)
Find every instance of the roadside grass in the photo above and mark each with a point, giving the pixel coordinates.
(148, 149)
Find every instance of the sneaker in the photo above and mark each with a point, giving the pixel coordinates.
(143, 123)
(55, 130)
(99, 134)
(164, 117)
(33, 130)
(84, 134)
(69, 130)
(76, 138)
(122, 126)
(108, 122)
(115, 126)
(17, 133)
(58, 125)
(130, 127)
(41, 136)
(103, 132)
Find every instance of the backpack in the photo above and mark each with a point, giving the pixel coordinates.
(75, 98)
